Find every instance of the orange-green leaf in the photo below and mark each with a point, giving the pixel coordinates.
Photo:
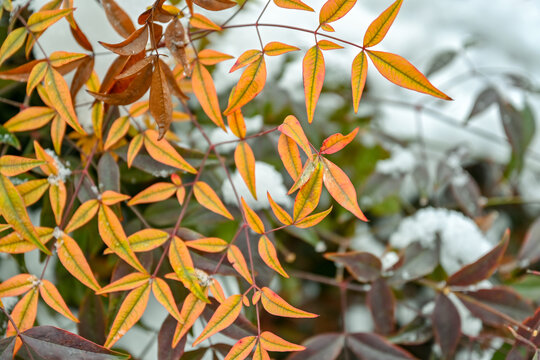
(11, 165)
(118, 130)
(260, 353)
(98, 114)
(245, 163)
(249, 85)
(403, 73)
(379, 27)
(209, 199)
(82, 215)
(13, 243)
(307, 171)
(309, 195)
(209, 244)
(60, 58)
(110, 197)
(114, 237)
(162, 292)
(336, 142)
(24, 313)
(147, 239)
(328, 45)
(272, 342)
(293, 4)
(49, 293)
(58, 197)
(268, 254)
(217, 291)
(247, 57)
(313, 219)
(237, 260)
(205, 91)
(290, 156)
(31, 191)
(202, 22)
(280, 213)
(154, 193)
(275, 305)
(252, 219)
(17, 285)
(41, 154)
(164, 152)
(292, 128)
(128, 282)
(72, 257)
(12, 43)
(358, 78)
(60, 97)
(134, 147)
(58, 130)
(237, 124)
(183, 267)
(276, 48)
(333, 10)
(327, 27)
(14, 212)
(192, 308)
(212, 57)
(242, 348)
(341, 188)
(36, 75)
(224, 316)
(31, 118)
(129, 313)
(39, 21)
(313, 71)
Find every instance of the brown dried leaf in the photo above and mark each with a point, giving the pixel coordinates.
(118, 18)
(134, 44)
(176, 42)
(134, 92)
(160, 100)
(215, 5)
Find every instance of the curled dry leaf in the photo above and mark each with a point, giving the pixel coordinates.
(134, 92)
(215, 5)
(160, 101)
(134, 44)
(176, 42)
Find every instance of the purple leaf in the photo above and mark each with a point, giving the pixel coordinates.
(321, 347)
(364, 266)
(446, 325)
(368, 346)
(165, 338)
(381, 302)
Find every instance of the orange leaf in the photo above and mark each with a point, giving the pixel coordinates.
(60, 97)
(118, 130)
(130, 312)
(276, 48)
(24, 313)
(36, 75)
(380, 26)
(333, 10)
(17, 285)
(290, 156)
(205, 91)
(272, 342)
(60, 58)
(327, 27)
(249, 85)
(82, 215)
(269, 255)
(307, 171)
(212, 57)
(403, 73)
(110, 197)
(31, 118)
(340, 187)
(358, 78)
(313, 219)
(113, 235)
(162, 151)
(58, 130)
(118, 18)
(328, 45)
(134, 147)
(275, 305)
(252, 219)
(292, 128)
(260, 353)
(293, 4)
(247, 57)
(313, 72)
(12, 43)
(41, 154)
(256, 297)
(139, 108)
(183, 267)
(128, 282)
(162, 292)
(202, 22)
(11, 165)
(52, 297)
(154, 193)
(72, 257)
(210, 244)
(147, 239)
(237, 260)
(308, 197)
(217, 291)
(237, 124)
(160, 101)
(224, 316)
(14, 212)
(134, 44)
(245, 163)
(192, 308)
(242, 348)
(31, 191)
(279, 212)
(40, 21)
(58, 196)
(209, 199)
(336, 142)
(14, 244)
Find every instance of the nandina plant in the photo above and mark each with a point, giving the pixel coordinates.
(114, 251)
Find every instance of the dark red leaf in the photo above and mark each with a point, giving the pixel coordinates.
(91, 316)
(368, 346)
(321, 347)
(530, 250)
(365, 267)
(415, 262)
(485, 99)
(381, 302)
(165, 338)
(446, 325)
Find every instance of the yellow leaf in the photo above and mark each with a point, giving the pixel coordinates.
(162, 292)
(162, 151)
(17, 285)
(212, 57)
(13, 243)
(276, 48)
(252, 219)
(31, 118)
(249, 85)
(183, 267)
(292, 128)
(134, 147)
(202, 22)
(269, 255)
(114, 237)
(246, 58)
(225, 315)
(279, 212)
(14, 212)
(39, 21)
(275, 305)
(11, 165)
(72, 257)
(209, 199)
(309, 194)
(147, 239)
(118, 130)
(293, 4)
(52, 297)
(403, 73)
(242, 348)
(139, 108)
(130, 312)
(58, 196)
(31, 191)
(333, 10)
(50, 167)
(272, 342)
(205, 91)
(82, 215)
(379, 27)
(110, 197)
(245, 163)
(307, 171)
(60, 58)
(313, 219)
(210, 244)
(36, 75)
(128, 282)
(192, 308)
(12, 43)
(358, 78)
(313, 71)
(237, 260)
(24, 313)
(58, 130)
(154, 193)
(98, 113)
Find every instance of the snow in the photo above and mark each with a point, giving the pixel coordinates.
(402, 161)
(63, 171)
